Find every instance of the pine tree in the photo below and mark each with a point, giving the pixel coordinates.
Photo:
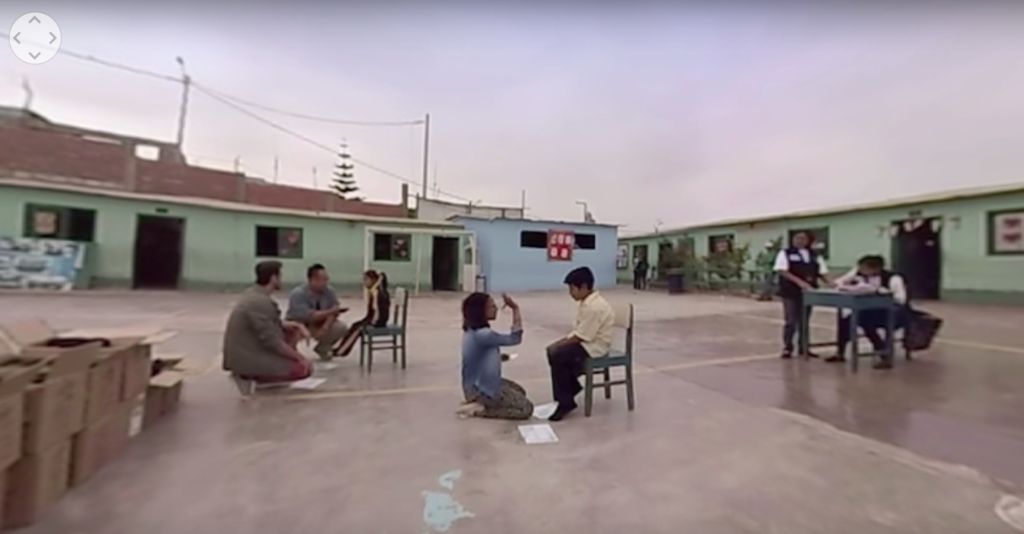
(344, 182)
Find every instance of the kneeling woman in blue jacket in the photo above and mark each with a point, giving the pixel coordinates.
(487, 393)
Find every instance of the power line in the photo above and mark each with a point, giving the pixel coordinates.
(304, 116)
(239, 108)
(237, 104)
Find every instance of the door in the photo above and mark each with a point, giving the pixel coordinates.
(470, 265)
(917, 255)
(444, 268)
(159, 252)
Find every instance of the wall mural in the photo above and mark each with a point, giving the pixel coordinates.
(28, 263)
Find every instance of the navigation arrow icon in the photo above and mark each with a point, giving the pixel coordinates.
(16, 37)
(35, 55)
(52, 37)
(33, 19)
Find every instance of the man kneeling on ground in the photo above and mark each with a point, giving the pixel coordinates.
(258, 345)
(315, 305)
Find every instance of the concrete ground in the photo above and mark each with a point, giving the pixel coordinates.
(726, 438)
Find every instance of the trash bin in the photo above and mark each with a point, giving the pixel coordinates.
(676, 283)
(481, 284)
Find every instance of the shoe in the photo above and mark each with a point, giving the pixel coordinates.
(883, 365)
(786, 354)
(562, 411)
(245, 387)
(810, 354)
(469, 409)
(835, 359)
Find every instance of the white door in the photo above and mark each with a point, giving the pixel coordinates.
(470, 265)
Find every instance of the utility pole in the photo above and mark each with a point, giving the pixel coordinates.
(315, 185)
(522, 204)
(426, 153)
(586, 212)
(186, 87)
(276, 168)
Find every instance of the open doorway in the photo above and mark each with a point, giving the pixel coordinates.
(444, 268)
(917, 255)
(159, 250)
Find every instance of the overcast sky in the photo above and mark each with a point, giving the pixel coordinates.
(649, 113)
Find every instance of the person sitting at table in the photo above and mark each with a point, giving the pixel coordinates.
(487, 393)
(799, 268)
(378, 311)
(258, 346)
(315, 305)
(870, 275)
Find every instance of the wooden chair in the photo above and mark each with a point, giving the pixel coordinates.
(392, 336)
(615, 358)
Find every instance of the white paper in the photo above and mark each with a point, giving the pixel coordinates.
(307, 383)
(325, 366)
(544, 410)
(536, 434)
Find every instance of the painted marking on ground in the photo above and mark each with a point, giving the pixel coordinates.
(944, 341)
(1011, 510)
(335, 394)
(441, 510)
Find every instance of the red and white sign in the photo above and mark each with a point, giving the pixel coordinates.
(560, 245)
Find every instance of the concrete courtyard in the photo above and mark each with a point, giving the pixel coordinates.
(726, 438)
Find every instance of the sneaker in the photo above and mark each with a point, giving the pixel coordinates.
(245, 387)
(786, 354)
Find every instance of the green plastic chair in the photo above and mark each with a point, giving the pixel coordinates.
(391, 337)
(615, 358)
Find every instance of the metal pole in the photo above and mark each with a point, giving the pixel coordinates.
(585, 210)
(426, 153)
(186, 87)
(419, 262)
(523, 204)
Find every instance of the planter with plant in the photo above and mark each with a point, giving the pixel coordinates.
(725, 268)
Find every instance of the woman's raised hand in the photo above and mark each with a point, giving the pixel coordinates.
(508, 302)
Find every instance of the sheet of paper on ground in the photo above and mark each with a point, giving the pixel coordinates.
(536, 434)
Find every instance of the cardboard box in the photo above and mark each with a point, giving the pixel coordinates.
(106, 378)
(162, 396)
(55, 403)
(94, 447)
(138, 366)
(34, 483)
(15, 376)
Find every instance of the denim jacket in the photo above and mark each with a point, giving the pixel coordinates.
(481, 359)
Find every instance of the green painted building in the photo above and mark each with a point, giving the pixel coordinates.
(958, 246)
(154, 241)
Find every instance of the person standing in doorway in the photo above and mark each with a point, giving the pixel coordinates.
(799, 268)
(640, 268)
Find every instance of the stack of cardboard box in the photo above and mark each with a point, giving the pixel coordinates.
(66, 411)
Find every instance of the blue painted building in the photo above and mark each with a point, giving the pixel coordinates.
(514, 253)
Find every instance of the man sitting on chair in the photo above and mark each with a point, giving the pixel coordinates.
(591, 337)
(316, 306)
(870, 275)
(258, 346)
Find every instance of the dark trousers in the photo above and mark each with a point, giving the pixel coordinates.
(792, 312)
(872, 322)
(566, 362)
(639, 280)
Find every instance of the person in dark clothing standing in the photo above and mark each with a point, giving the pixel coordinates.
(640, 272)
(799, 268)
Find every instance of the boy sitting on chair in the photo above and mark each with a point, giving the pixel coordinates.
(870, 275)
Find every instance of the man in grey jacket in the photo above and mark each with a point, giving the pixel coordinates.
(258, 346)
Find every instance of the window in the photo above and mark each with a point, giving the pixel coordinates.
(720, 243)
(819, 239)
(391, 247)
(528, 239)
(1006, 232)
(59, 222)
(586, 241)
(274, 242)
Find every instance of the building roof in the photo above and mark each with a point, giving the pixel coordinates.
(215, 204)
(548, 221)
(465, 204)
(927, 198)
(67, 154)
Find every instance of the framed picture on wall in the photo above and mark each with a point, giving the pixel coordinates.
(560, 245)
(622, 257)
(1006, 232)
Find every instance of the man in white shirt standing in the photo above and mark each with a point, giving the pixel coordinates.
(799, 268)
(591, 337)
(871, 275)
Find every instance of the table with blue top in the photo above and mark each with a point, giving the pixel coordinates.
(856, 303)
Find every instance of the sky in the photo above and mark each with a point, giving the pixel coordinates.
(652, 113)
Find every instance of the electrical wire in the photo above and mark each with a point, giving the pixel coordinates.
(239, 105)
(255, 116)
(303, 116)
